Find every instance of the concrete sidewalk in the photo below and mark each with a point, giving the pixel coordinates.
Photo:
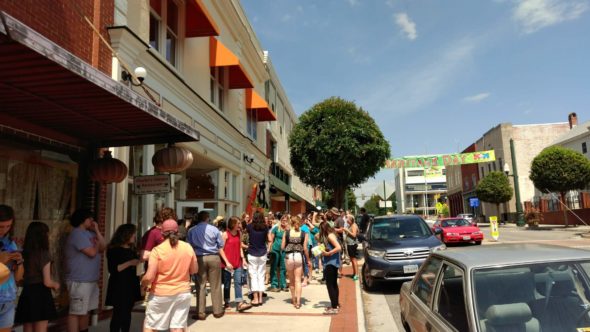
(278, 314)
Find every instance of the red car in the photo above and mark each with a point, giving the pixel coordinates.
(457, 230)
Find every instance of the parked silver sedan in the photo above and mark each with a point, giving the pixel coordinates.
(505, 287)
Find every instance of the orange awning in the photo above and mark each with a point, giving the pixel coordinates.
(255, 102)
(198, 21)
(221, 56)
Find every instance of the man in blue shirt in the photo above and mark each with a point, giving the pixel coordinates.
(207, 242)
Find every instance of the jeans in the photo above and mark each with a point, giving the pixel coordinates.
(305, 266)
(277, 264)
(7, 311)
(226, 277)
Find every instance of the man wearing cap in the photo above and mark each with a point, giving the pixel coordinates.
(207, 242)
(170, 265)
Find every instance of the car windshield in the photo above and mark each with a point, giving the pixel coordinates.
(455, 222)
(555, 296)
(395, 229)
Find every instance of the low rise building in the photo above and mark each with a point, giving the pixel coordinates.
(417, 189)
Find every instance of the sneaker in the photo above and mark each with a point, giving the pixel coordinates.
(274, 290)
(355, 277)
(286, 289)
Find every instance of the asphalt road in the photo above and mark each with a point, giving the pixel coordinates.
(571, 237)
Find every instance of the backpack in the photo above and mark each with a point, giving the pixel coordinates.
(287, 236)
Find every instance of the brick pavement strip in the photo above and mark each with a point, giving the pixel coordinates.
(346, 319)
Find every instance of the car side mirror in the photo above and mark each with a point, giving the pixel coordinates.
(438, 231)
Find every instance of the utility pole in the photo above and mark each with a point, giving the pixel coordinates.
(384, 197)
(519, 211)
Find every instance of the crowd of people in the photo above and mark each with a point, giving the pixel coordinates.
(175, 255)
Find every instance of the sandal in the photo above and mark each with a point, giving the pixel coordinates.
(244, 306)
(298, 306)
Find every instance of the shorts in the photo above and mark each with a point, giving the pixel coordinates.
(352, 250)
(83, 297)
(294, 260)
(7, 310)
(167, 312)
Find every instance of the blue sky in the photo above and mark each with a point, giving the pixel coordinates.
(435, 75)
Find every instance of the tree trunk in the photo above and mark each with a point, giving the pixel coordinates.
(564, 208)
(339, 197)
(498, 213)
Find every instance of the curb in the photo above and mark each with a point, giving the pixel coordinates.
(360, 312)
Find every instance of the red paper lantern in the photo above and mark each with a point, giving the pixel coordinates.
(108, 169)
(172, 159)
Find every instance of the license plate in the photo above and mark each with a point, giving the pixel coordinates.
(467, 238)
(410, 268)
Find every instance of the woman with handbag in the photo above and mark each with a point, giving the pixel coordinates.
(233, 265)
(352, 244)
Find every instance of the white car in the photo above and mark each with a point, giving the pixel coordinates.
(468, 217)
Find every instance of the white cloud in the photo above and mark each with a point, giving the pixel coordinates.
(420, 85)
(361, 57)
(534, 15)
(407, 25)
(286, 18)
(477, 98)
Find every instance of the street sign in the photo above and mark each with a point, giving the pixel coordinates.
(494, 227)
(474, 202)
(385, 204)
(151, 184)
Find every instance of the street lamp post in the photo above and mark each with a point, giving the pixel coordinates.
(519, 211)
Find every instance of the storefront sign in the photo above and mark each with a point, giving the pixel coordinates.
(442, 160)
(151, 184)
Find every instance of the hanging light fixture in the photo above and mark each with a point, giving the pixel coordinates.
(107, 169)
(172, 159)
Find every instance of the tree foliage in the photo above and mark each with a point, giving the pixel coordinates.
(494, 188)
(558, 169)
(337, 145)
(329, 201)
(372, 205)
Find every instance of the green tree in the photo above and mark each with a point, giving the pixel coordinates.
(328, 199)
(336, 146)
(494, 188)
(558, 169)
(372, 205)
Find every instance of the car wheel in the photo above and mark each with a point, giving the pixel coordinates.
(478, 242)
(368, 281)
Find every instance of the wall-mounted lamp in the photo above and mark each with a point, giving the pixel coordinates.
(248, 158)
(139, 72)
